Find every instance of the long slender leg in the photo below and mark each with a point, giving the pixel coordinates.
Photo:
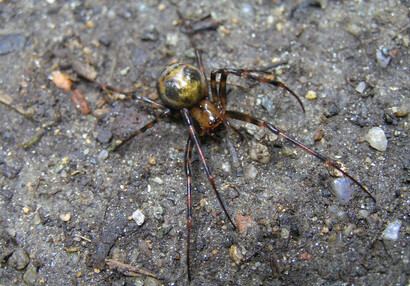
(191, 31)
(164, 114)
(188, 157)
(228, 123)
(128, 94)
(262, 123)
(195, 138)
(256, 75)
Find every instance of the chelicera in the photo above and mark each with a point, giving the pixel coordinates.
(183, 89)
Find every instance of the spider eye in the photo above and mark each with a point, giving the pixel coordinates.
(214, 121)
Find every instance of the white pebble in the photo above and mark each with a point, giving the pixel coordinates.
(361, 87)
(382, 57)
(226, 167)
(139, 217)
(311, 95)
(343, 189)
(103, 155)
(251, 172)
(392, 230)
(158, 180)
(377, 139)
(65, 217)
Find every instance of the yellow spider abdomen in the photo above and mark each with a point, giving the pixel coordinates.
(180, 86)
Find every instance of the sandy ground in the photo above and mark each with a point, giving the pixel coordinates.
(66, 207)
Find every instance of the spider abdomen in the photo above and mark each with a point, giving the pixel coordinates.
(180, 86)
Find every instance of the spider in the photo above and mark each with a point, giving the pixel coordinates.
(183, 89)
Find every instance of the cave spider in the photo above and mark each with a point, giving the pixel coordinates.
(183, 89)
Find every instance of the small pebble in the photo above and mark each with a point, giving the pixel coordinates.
(392, 230)
(343, 189)
(104, 41)
(157, 211)
(103, 155)
(80, 102)
(325, 230)
(402, 110)
(236, 254)
(332, 110)
(124, 71)
(30, 276)
(269, 105)
(65, 217)
(100, 112)
(171, 39)
(284, 233)
(306, 256)
(37, 219)
(61, 80)
(377, 139)
(158, 180)
(244, 222)
(90, 24)
(152, 160)
(11, 43)
(251, 172)
(259, 152)
(138, 217)
(361, 87)
(354, 29)
(382, 57)
(150, 36)
(19, 259)
(226, 167)
(287, 152)
(104, 136)
(11, 231)
(311, 95)
(319, 134)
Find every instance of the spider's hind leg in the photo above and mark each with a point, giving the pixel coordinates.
(130, 95)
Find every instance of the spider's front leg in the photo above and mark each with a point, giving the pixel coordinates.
(194, 139)
(219, 97)
(188, 158)
(261, 123)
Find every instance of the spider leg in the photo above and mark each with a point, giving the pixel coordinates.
(164, 114)
(130, 95)
(262, 123)
(188, 158)
(195, 138)
(243, 137)
(256, 75)
(191, 32)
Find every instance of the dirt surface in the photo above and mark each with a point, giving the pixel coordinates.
(66, 207)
